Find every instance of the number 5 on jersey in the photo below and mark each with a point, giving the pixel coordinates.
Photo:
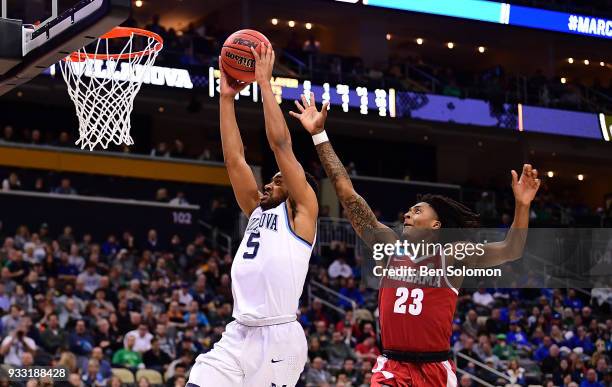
(415, 307)
(252, 243)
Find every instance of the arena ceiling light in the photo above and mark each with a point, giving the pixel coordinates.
(481, 49)
(563, 80)
(274, 21)
(602, 64)
(580, 177)
(419, 41)
(570, 60)
(138, 3)
(308, 26)
(388, 37)
(586, 62)
(291, 23)
(450, 45)
(550, 174)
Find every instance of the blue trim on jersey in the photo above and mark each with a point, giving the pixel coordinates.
(291, 230)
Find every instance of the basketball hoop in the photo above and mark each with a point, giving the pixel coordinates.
(103, 85)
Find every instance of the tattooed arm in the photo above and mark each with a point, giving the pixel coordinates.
(359, 213)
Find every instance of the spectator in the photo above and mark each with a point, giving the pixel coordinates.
(65, 188)
(152, 243)
(161, 195)
(470, 325)
(367, 350)
(516, 373)
(468, 350)
(53, 337)
(206, 155)
(7, 134)
(127, 357)
(11, 183)
(142, 338)
(502, 350)
(495, 324)
(317, 375)
(339, 268)
(15, 345)
(103, 364)
(10, 322)
(551, 363)
(5, 303)
(177, 371)
(93, 377)
(63, 140)
(90, 278)
(315, 350)
(483, 298)
(161, 150)
(155, 358)
(81, 341)
(36, 138)
(338, 350)
(352, 292)
(591, 380)
(179, 200)
(466, 381)
(178, 150)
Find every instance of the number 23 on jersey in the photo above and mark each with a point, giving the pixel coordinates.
(416, 301)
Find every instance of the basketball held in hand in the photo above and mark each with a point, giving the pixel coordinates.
(236, 57)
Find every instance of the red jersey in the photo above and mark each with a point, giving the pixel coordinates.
(416, 311)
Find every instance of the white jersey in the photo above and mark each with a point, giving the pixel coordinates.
(269, 269)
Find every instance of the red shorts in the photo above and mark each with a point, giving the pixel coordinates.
(394, 373)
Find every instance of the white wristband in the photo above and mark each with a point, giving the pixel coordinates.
(320, 138)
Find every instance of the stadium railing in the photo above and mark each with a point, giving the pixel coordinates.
(220, 240)
(320, 292)
(483, 366)
(332, 230)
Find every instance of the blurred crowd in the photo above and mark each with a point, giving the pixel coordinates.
(95, 306)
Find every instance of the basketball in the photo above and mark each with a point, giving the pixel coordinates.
(236, 57)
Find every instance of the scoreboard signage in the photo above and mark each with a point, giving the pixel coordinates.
(561, 22)
(380, 102)
(503, 13)
(390, 103)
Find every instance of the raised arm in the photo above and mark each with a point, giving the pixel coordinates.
(279, 138)
(512, 247)
(240, 174)
(360, 214)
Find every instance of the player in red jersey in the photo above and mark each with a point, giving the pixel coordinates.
(416, 312)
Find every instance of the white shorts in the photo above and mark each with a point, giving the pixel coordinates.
(268, 356)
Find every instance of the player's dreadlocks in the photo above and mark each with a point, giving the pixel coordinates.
(451, 213)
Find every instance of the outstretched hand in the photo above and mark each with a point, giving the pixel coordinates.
(525, 187)
(312, 120)
(264, 62)
(228, 86)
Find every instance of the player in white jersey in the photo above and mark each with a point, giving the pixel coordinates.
(265, 346)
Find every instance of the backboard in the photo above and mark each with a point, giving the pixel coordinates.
(28, 49)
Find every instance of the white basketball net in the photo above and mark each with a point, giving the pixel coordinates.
(103, 91)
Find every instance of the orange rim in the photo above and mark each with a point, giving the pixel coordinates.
(120, 32)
